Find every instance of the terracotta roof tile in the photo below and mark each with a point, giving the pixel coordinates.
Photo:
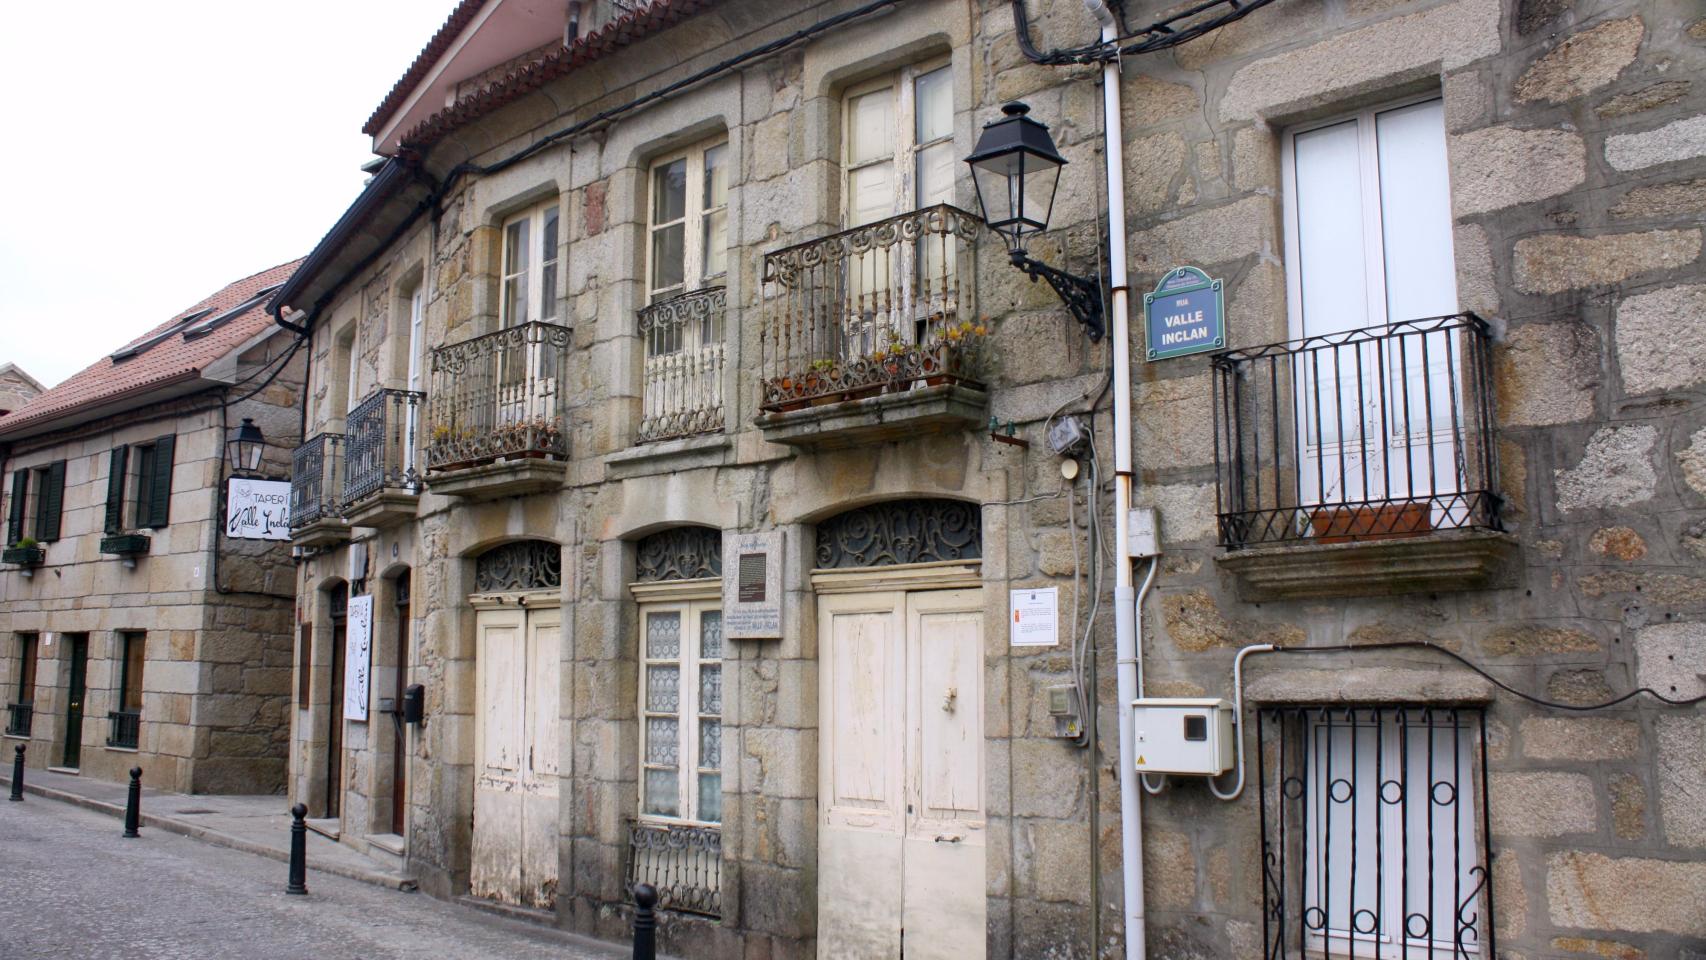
(440, 42)
(625, 30)
(172, 359)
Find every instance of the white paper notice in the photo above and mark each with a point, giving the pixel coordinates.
(358, 656)
(1035, 617)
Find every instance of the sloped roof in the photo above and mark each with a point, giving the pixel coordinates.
(623, 31)
(172, 358)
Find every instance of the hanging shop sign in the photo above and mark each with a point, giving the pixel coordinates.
(257, 509)
(752, 586)
(1184, 315)
(358, 656)
(1034, 617)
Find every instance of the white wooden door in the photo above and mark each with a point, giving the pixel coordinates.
(515, 771)
(901, 834)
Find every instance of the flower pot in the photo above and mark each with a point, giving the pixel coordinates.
(1382, 522)
(24, 556)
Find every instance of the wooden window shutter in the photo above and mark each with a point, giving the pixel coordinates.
(304, 661)
(15, 519)
(160, 485)
(52, 503)
(115, 489)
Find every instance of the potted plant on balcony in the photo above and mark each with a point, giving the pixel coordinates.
(25, 553)
(960, 353)
(1375, 521)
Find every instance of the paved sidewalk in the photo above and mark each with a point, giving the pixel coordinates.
(253, 824)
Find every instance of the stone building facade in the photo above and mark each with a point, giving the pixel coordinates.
(16, 387)
(594, 358)
(133, 630)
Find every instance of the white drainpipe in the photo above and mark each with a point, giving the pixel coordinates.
(1126, 649)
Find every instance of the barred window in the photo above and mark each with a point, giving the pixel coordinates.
(1371, 832)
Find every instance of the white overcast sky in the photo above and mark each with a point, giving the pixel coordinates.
(154, 152)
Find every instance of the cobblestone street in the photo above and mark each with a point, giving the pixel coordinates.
(71, 888)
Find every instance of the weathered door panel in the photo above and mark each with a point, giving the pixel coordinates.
(540, 763)
(943, 905)
(498, 807)
(862, 649)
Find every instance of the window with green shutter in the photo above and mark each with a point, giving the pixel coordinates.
(15, 518)
(50, 502)
(154, 482)
(117, 463)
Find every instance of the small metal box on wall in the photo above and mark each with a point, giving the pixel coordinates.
(1187, 736)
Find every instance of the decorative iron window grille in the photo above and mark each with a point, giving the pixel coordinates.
(125, 726)
(684, 863)
(18, 719)
(522, 565)
(680, 553)
(316, 480)
(904, 531)
(382, 445)
(870, 309)
(1370, 818)
(499, 395)
(1367, 434)
(684, 365)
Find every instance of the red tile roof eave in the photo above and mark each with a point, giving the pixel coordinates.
(11, 424)
(620, 33)
(453, 26)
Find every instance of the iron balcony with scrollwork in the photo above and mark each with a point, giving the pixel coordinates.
(497, 417)
(683, 378)
(873, 333)
(382, 476)
(316, 485)
(683, 862)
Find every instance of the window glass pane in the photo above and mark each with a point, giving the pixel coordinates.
(870, 126)
(662, 740)
(669, 192)
(663, 635)
(515, 248)
(935, 105)
(1437, 776)
(663, 689)
(710, 744)
(1415, 212)
(870, 192)
(1330, 239)
(936, 168)
(711, 635)
(515, 300)
(710, 689)
(669, 256)
(661, 793)
(716, 240)
(548, 237)
(711, 797)
(716, 176)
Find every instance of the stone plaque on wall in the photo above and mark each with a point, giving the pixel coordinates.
(752, 585)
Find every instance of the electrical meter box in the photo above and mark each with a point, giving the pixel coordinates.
(1183, 736)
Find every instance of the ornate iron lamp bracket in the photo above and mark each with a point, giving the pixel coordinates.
(1082, 295)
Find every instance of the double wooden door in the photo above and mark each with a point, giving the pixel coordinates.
(901, 813)
(516, 756)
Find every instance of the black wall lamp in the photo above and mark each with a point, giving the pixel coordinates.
(244, 450)
(1016, 169)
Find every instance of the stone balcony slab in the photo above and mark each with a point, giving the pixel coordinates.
(324, 532)
(501, 478)
(382, 508)
(1437, 563)
(877, 419)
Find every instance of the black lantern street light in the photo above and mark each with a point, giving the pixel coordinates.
(1016, 169)
(244, 450)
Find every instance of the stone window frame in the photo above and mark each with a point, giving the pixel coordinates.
(692, 600)
(541, 274)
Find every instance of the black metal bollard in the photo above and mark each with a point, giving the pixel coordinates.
(17, 773)
(133, 804)
(645, 922)
(298, 851)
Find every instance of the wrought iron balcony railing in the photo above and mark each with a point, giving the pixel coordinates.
(382, 445)
(499, 395)
(18, 718)
(317, 480)
(684, 863)
(684, 365)
(125, 726)
(871, 309)
(1366, 434)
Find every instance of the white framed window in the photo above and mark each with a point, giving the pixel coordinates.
(898, 150)
(688, 220)
(1369, 262)
(1392, 859)
(681, 704)
(531, 243)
